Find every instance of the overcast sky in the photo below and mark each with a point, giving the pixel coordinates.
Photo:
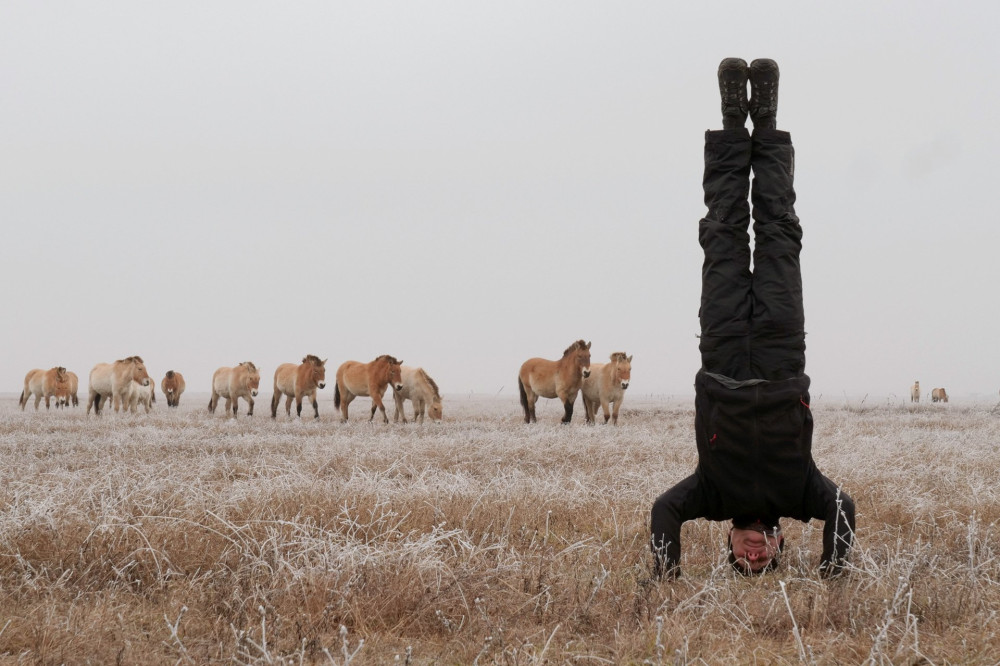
(465, 185)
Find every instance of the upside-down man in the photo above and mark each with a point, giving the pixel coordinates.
(752, 421)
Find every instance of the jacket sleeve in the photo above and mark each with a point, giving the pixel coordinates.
(683, 502)
(826, 501)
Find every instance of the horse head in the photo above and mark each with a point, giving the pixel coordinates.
(581, 354)
(622, 369)
(318, 369)
(253, 377)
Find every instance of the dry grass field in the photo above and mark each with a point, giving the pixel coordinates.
(180, 537)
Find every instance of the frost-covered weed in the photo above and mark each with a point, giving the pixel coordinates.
(186, 537)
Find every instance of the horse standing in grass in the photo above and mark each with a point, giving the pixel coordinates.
(606, 384)
(172, 386)
(420, 389)
(113, 380)
(554, 379)
(45, 384)
(139, 394)
(72, 387)
(243, 381)
(298, 381)
(366, 379)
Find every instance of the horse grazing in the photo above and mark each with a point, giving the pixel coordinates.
(366, 379)
(939, 395)
(172, 386)
(554, 379)
(420, 389)
(243, 381)
(298, 381)
(915, 392)
(45, 384)
(113, 380)
(606, 384)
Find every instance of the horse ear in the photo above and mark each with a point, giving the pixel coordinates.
(588, 344)
(629, 359)
(401, 363)
(325, 360)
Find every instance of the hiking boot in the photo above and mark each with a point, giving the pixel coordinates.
(764, 93)
(733, 76)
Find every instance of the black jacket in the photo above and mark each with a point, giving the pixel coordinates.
(754, 462)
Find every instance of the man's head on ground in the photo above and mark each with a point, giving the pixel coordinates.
(754, 547)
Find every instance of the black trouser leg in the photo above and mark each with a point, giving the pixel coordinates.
(777, 335)
(726, 281)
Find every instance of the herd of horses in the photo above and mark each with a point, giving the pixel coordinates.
(937, 394)
(127, 384)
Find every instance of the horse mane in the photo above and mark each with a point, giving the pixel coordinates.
(130, 359)
(391, 360)
(430, 381)
(60, 370)
(579, 344)
(619, 356)
(170, 374)
(311, 358)
(250, 365)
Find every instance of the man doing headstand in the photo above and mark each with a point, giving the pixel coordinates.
(753, 426)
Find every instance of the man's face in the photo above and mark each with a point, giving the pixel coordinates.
(754, 547)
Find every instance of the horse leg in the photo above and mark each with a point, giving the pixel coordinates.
(568, 405)
(315, 403)
(398, 399)
(419, 408)
(604, 406)
(250, 407)
(345, 399)
(614, 414)
(288, 404)
(230, 406)
(275, 401)
(38, 399)
(298, 404)
(377, 404)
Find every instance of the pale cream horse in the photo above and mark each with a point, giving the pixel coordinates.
(139, 394)
(243, 381)
(172, 386)
(939, 395)
(554, 379)
(114, 380)
(298, 381)
(45, 384)
(73, 386)
(606, 384)
(355, 378)
(420, 389)
(915, 392)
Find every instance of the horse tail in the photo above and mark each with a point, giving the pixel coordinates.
(524, 396)
(336, 395)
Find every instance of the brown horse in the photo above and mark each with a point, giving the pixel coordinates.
(554, 379)
(606, 384)
(172, 386)
(419, 388)
(371, 379)
(113, 380)
(243, 381)
(296, 381)
(45, 384)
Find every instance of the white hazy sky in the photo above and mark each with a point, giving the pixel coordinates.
(465, 185)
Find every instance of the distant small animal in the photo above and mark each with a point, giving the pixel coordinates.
(46, 384)
(367, 379)
(113, 381)
(939, 395)
(242, 381)
(420, 389)
(298, 381)
(554, 379)
(605, 385)
(915, 392)
(172, 386)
